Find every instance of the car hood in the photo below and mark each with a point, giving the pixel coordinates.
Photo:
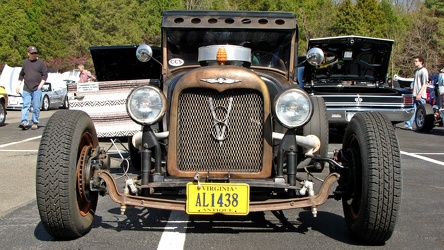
(350, 60)
(112, 63)
(9, 79)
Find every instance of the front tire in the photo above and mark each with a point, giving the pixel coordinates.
(45, 103)
(372, 180)
(65, 203)
(424, 118)
(65, 103)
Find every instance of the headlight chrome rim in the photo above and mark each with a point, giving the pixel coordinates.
(315, 56)
(293, 108)
(149, 98)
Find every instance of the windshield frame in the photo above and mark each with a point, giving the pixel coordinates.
(274, 47)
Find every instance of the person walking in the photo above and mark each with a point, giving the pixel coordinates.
(85, 75)
(419, 88)
(33, 75)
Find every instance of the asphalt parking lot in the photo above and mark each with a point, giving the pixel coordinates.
(420, 223)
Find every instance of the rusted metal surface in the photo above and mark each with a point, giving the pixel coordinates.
(140, 201)
(229, 19)
(290, 203)
(256, 206)
(244, 81)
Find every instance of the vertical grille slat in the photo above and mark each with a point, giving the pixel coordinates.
(240, 151)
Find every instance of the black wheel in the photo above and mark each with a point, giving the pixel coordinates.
(45, 103)
(2, 113)
(424, 118)
(318, 125)
(372, 180)
(136, 161)
(65, 103)
(65, 203)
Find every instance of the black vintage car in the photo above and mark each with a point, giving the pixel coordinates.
(225, 129)
(353, 78)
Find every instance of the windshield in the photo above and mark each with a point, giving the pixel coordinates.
(268, 48)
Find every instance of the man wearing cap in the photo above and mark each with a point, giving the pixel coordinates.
(33, 75)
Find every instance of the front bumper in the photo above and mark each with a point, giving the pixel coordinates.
(126, 200)
(15, 102)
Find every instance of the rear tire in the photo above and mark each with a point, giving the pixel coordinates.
(372, 181)
(66, 205)
(318, 125)
(424, 118)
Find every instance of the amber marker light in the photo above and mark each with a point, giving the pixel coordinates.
(221, 56)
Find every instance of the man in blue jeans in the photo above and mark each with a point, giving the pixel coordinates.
(419, 87)
(33, 74)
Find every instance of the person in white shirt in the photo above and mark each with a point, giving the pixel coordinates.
(419, 87)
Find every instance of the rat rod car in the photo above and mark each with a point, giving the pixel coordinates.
(225, 130)
(353, 78)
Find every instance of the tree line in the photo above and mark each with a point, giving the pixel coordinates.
(64, 30)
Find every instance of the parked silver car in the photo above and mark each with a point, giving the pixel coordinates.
(54, 97)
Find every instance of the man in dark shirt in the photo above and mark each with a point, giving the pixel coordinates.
(33, 74)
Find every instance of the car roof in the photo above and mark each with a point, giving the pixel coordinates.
(229, 19)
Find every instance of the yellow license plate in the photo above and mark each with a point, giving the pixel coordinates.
(213, 198)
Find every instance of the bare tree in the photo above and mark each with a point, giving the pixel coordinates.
(197, 4)
(407, 6)
(420, 40)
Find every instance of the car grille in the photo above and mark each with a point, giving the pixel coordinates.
(242, 148)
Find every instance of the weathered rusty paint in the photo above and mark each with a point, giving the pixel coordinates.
(248, 80)
(256, 206)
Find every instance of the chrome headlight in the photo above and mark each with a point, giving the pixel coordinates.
(146, 105)
(293, 108)
(144, 53)
(315, 56)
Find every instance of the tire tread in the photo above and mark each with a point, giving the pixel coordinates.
(384, 177)
(53, 171)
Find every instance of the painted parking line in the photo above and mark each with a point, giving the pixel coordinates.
(173, 239)
(430, 153)
(19, 150)
(17, 142)
(423, 158)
